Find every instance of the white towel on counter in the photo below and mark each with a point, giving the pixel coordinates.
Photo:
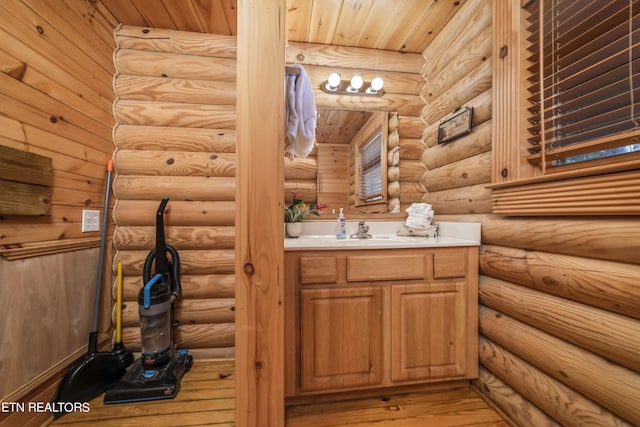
(418, 223)
(420, 215)
(300, 114)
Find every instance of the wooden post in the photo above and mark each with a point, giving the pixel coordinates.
(506, 65)
(259, 216)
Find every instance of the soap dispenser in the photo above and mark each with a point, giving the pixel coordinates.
(341, 232)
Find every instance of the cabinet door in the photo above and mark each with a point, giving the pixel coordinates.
(428, 324)
(341, 334)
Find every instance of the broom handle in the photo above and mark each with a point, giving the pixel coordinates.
(93, 334)
(119, 305)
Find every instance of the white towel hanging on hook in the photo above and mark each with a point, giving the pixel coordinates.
(300, 113)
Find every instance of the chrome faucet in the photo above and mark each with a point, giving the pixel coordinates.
(363, 231)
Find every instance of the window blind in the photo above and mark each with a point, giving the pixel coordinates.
(583, 80)
(370, 170)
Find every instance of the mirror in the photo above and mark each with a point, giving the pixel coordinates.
(353, 161)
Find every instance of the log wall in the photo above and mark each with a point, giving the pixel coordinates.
(403, 85)
(458, 74)
(175, 136)
(55, 101)
(559, 297)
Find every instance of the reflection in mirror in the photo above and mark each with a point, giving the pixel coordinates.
(352, 160)
(350, 167)
(334, 132)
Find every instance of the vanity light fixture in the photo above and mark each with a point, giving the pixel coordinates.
(356, 86)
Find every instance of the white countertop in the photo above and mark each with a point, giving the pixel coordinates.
(316, 236)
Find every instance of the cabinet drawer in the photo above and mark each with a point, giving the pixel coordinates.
(365, 268)
(318, 269)
(449, 264)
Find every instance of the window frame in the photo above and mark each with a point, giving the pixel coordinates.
(376, 125)
(598, 187)
(369, 167)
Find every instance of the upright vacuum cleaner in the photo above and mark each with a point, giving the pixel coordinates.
(157, 373)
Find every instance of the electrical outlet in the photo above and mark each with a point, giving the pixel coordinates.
(90, 220)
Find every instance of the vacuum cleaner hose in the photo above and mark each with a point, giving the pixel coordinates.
(174, 269)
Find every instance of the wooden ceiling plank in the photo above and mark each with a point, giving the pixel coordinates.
(407, 16)
(298, 19)
(339, 126)
(353, 17)
(230, 11)
(378, 23)
(155, 14)
(324, 17)
(212, 16)
(99, 11)
(125, 12)
(396, 40)
(431, 24)
(96, 18)
(184, 15)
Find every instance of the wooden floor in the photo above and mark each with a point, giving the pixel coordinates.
(207, 399)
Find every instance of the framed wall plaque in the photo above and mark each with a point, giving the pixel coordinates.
(457, 125)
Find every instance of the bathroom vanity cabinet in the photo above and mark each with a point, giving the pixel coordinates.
(376, 318)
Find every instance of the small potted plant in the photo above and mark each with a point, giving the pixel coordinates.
(297, 211)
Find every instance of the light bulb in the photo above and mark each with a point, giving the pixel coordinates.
(375, 86)
(356, 83)
(377, 83)
(333, 81)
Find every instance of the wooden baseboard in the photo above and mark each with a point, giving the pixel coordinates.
(390, 391)
(41, 389)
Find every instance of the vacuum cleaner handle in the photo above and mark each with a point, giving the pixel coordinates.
(162, 264)
(169, 270)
